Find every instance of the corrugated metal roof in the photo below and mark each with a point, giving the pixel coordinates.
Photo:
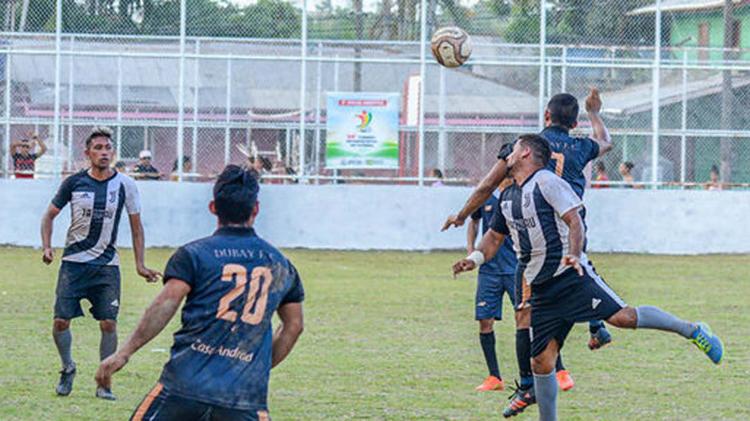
(683, 6)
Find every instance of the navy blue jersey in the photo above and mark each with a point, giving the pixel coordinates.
(504, 262)
(222, 353)
(95, 210)
(570, 155)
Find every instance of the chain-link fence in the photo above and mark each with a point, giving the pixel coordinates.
(208, 82)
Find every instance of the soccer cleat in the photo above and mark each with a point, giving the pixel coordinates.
(519, 401)
(106, 394)
(565, 380)
(707, 342)
(491, 383)
(600, 338)
(66, 381)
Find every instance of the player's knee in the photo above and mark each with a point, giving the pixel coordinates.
(523, 318)
(627, 318)
(108, 326)
(60, 324)
(485, 326)
(542, 364)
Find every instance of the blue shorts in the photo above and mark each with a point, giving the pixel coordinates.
(99, 284)
(559, 303)
(489, 297)
(160, 405)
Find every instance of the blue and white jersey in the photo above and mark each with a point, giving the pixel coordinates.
(570, 155)
(95, 210)
(532, 215)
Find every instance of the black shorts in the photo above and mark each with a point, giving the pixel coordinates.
(522, 292)
(99, 284)
(559, 303)
(160, 405)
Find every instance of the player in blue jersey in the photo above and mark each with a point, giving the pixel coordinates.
(233, 282)
(90, 264)
(541, 212)
(570, 156)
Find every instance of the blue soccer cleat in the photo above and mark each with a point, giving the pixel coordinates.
(707, 342)
(600, 338)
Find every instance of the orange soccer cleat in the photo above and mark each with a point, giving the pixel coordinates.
(491, 383)
(565, 380)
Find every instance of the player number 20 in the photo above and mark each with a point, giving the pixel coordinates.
(255, 305)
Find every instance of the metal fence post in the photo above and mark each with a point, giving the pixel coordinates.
(542, 59)
(181, 92)
(119, 109)
(318, 94)
(8, 63)
(56, 112)
(655, 98)
(303, 93)
(683, 120)
(71, 71)
(196, 104)
(228, 118)
(423, 83)
(442, 143)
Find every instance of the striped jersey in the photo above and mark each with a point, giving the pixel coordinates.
(95, 210)
(532, 215)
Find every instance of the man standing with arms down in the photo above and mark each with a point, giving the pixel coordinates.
(234, 281)
(541, 212)
(90, 264)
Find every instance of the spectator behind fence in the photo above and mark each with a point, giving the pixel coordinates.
(144, 170)
(260, 164)
(436, 173)
(187, 169)
(714, 183)
(626, 169)
(600, 175)
(24, 160)
(121, 167)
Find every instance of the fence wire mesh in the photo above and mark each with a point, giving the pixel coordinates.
(248, 82)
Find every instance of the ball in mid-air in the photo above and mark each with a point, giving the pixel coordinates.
(451, 46)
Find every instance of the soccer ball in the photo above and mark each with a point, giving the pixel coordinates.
(451, 46)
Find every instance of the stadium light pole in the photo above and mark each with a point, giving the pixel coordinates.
(181, 92)
(58, 65)
(655, 97)
(303, 93)
(422, 83)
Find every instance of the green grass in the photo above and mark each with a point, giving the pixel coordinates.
(392, 336)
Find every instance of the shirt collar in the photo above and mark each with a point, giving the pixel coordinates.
(239, 231)
(557, 129)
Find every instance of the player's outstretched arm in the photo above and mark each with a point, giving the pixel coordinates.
(471, 234)
(601, 134)
(136, 230)
(287, 333)
(47, 221)
(572, 219)
(480, 194)
(486, 250)
(42, 146)
(154, 320)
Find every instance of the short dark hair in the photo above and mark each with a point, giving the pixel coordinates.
(600, 166)
(437, 173)
(235, 195)
(629, 165)
(99, 131)
(714, 169)
(539, 147)
(563, 110)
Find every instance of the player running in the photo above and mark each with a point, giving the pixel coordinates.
(570, 156)
(234, 281)
(495, 279)
(541, 212)
(90, 264)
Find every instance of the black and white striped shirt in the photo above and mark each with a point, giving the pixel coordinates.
(532, 215)
(95, 210)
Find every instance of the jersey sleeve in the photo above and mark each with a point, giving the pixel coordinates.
(591, 151)
(180, 266)
(558, 193)
(64, 193)
(498, 222)
(132, 197)
(296, 293)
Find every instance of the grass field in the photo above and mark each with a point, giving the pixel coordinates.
(392, 336)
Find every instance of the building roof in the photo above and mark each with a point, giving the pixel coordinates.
(683, 6)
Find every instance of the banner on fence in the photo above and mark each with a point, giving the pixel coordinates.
(362, 130)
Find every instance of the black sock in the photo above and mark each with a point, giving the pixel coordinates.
(559, 364)
(488, 347)
(523, 354)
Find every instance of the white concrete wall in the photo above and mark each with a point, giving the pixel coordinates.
(398, 217)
